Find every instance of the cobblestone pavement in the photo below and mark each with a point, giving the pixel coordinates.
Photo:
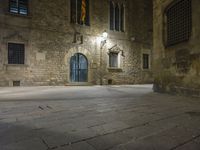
(97, 118)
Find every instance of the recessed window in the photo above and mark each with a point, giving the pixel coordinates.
(111, 15)
(18, 7)
(179, 21)
(80, 12)
(145, 58)
(122, 18)
(113, 60)
(16, 83)
(116, 16)
(16, 53)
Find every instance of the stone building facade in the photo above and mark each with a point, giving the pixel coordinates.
(176, 46)
(41, 44)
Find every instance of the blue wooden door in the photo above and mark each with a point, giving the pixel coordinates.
(78, 68)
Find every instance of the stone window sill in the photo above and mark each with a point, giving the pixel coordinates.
(16, 65)
(146, 70)
(111, 69)
(117, 33)
(80, 25)
(19, 15)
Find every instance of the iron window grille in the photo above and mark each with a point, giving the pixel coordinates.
(16, 83)
(179, 22)
(18, 7)
(16, 53)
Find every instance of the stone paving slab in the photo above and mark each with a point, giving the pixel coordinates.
(97, 118)
(30, 144)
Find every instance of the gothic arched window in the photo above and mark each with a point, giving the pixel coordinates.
(117, 13)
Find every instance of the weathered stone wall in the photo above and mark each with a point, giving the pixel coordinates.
(48, 36)
(176, 68)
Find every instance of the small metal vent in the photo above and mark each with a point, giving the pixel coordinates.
(16, 83)
(179, 21)
(110, 81)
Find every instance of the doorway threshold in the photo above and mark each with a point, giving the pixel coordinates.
(79, 84)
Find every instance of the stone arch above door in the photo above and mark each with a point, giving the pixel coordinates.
(75, 50)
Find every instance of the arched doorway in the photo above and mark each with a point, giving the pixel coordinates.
(78, 68)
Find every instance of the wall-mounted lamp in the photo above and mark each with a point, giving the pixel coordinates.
(105, 35)
(122, 53)
(104, 38)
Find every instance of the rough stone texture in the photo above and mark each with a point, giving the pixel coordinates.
(119, 117)
(48, 36)
(167, 74)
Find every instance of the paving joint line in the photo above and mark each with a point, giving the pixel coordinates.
(44, 142)
(186, 142)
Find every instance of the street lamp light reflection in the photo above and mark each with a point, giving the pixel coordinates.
(103, 42)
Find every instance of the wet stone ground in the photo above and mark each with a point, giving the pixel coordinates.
(97, 118)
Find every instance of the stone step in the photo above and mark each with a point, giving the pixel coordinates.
(79, 84)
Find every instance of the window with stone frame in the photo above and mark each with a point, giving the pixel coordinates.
(18, 7)
(145, 59)
(178, 22)
(16, 53)
(113, 60)
(80, 12)
(117, 13)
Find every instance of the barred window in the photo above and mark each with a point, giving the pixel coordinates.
(80, 12)
(179, 21)
(16, 53)
(18, 7)
(117, 16)
(145, 61)
(113, 59)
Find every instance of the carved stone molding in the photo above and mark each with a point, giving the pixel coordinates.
(116, 49)
(15, 37)
(78, 38)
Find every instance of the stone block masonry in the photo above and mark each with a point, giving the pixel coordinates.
(176, 66)
(51, 40)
